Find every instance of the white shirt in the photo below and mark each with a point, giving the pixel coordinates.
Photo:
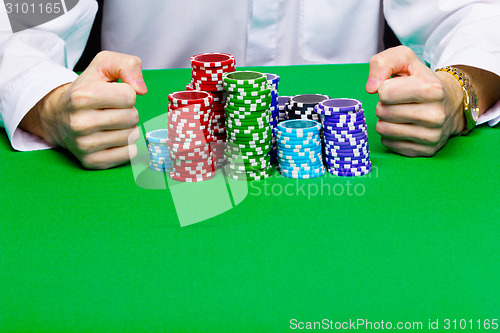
(165, 33)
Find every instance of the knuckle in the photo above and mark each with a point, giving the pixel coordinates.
(134, 61)
(432, 137)
(78, 124)
(79, 98)
(380, 110)
(83, 144)
(433, 90)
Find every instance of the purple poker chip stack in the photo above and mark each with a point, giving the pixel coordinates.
(345, 137)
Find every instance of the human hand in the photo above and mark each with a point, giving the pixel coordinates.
(418, 109)
(94, 117)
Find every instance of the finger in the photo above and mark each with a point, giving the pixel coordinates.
(91, 121)
(109, 158)
(396, 60)
(426, 115)
(101, 95)
(410, 132)
(104, 140)
(411, 89)
(111, 66)
(409, 148)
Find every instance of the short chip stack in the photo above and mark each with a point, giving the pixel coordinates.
(282, 103)
(345, 135)
(207, 72)
(299, 149)
(159, 159)
(273, 81)
(248, 125)
(190, 135)
(302, 106)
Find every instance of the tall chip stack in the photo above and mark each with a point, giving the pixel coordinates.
(273, 81)
(345, 136)
(248, 125)
(189, 136)
(207, 72)
(302, 106)
(299, 149)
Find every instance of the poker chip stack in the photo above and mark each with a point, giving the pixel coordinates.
(345, 136)
(159, 159)
(273, 81)
(299, 149)
(190, 135)
(302, 106)
(282, 102)
(207, 72)
(248, 125)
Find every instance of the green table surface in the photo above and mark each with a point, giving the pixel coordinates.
(104, 251)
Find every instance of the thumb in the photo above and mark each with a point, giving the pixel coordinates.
(398, 60)
(111, 66)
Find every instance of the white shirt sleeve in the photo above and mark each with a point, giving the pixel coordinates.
(451, 32)
(36, 61)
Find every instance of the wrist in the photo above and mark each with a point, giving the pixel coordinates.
(454, 101)
(470, 109)
(40, 118)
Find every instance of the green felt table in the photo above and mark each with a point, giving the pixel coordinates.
(104, 251)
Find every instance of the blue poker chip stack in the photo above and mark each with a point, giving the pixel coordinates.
(345, 135)
(282, 102)
(299, 149)
(302, 106)
(273, 81)
(159, 159)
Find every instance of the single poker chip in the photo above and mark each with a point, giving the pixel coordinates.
(247, 177)
(336, 129)
(157, 136)
(207, 87)
(252, 89)
(344, 117)
(351, 166)
(213, 70)
(182, 98)
(341, 123)
(253, 93)
(330, 147)
(307, 100)
(158, 155)
(158, 169)
(238, 78)
(302, 175)
(253, 102)
(247, 108)
(335, 105)
(212, 59)
(349, 152)
(282, 136)
(357, 134)
(272, 78)
(299, 127)
(192, 179)
(347, 174)
(307, 168)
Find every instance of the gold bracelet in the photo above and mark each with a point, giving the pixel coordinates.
(471, 104)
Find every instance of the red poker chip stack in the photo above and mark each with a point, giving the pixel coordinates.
(207, 72)
(190, 136)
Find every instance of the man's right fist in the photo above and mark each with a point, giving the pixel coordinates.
(94, 117)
